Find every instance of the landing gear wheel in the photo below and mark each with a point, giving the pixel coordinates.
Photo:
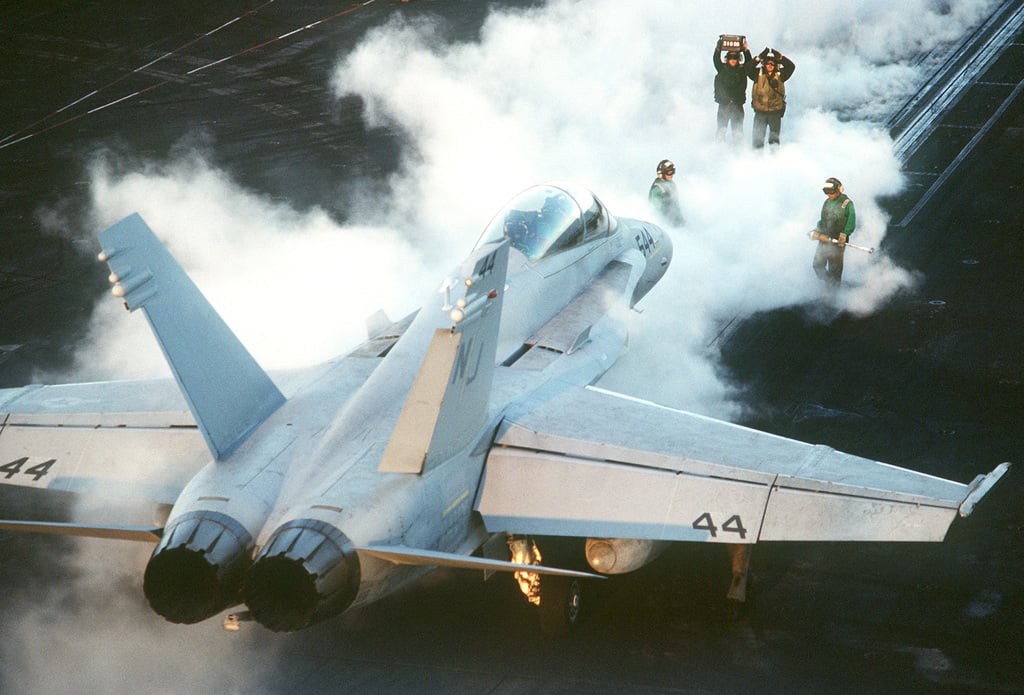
(560, 603)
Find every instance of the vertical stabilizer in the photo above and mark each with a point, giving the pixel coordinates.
(227, 391)
(447, 405)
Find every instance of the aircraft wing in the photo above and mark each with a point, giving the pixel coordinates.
(132, 440)
(136, 440)
(590, 462)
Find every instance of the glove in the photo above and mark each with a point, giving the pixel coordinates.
(818, 236)
(842, 239)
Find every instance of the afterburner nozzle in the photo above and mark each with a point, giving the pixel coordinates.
(308, 571)
(197, 568)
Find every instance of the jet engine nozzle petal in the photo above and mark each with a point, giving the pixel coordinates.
(197, 568)
(307, 571)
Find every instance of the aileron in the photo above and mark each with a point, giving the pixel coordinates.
(801, 515)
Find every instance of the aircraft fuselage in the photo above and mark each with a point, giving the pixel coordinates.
(316, 493)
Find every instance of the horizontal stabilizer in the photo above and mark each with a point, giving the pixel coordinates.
(401, 555)
(228, 393)
(150, 534)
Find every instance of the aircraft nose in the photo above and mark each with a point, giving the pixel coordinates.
(659, 257)
(307, 571)
(663, 256)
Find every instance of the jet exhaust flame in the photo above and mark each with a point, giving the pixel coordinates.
(307, 572)
(197, 569)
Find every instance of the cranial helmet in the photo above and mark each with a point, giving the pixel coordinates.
(666, 168)
(832, 185)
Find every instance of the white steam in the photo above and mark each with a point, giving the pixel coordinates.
(97, 635)
(294, 285)
(596, 92)
(599, 92)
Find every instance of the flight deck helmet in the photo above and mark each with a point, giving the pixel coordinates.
(832, 185)
(666, 168)
(769, 55)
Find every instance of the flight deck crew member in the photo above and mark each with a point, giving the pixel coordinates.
(731, 88)
(769, 72)
(663, 195)
(838, 220)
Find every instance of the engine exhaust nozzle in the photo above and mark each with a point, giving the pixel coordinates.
(197, 568)
(308, 571)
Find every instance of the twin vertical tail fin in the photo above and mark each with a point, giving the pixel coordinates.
(228, 392)
(447, 404)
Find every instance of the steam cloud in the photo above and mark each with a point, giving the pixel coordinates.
(603, 102)
(597, 92)
(530, 102)
(96, 634)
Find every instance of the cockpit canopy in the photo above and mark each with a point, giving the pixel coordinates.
(545, 220)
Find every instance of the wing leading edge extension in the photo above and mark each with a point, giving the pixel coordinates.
(594, 463)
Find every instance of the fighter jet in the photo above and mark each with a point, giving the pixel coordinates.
(468, 435)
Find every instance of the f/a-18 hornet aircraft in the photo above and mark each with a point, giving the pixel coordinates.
(467, 435)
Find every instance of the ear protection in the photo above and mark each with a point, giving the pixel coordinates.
(832, 185)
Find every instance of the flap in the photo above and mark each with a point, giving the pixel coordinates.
(130, 456)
